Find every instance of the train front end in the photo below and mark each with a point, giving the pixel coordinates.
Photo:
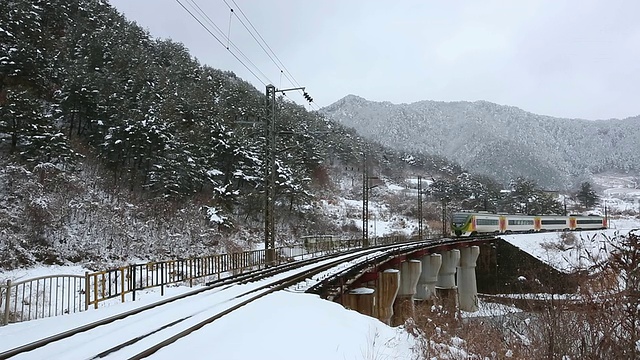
(462, 224)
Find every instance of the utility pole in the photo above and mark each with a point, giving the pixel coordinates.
(365, 203)
(269, 176)
(420, 207)
(444, 218)
(270, 171)
(366, 186)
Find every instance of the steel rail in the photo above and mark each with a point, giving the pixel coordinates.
(296, 278)
(277, 285)
(228, 282)
(224, 284)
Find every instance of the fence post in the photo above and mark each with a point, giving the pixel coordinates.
(219, 265)
(162, 278)
(5, 318)
(87, 291)
(95, 291)
(122, 292)
(132, 268)
(190, 272)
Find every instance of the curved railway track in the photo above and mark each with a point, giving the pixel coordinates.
(172, 319)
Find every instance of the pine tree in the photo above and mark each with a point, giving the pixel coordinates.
(587, 196)
(30, 111)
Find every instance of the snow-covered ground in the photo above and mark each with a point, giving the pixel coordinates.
(291, 325)
(284, 325)
(620, 192)
(381, 221)
(572, 251)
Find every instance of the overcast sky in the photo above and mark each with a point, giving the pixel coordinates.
(576, 59)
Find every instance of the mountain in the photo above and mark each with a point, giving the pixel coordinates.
(502, 141)
(114, 144)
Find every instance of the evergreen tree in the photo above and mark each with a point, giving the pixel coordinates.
(521, 196)
(587, 196)
(29, 80)
(526, 198)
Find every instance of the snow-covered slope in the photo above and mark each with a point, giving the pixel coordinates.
(498, 140)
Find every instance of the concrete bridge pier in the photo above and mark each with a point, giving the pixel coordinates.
(467, 287)
(387, 286)
(426, 288)
(403, 307)
(446, 289)
(362, 300)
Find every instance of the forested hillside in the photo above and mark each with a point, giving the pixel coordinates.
(115, 144)
(501, 141)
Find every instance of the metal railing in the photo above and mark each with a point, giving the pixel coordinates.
(40, 297)
(119, 282)
(60, 294)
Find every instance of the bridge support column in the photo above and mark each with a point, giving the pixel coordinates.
(403, 308)
(446, 286)
(362, 300)
(387, 286)
(426, 289)
(467, 287)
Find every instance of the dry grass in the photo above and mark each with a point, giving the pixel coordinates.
(604, 322)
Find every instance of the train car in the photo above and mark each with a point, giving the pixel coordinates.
(471, 223)
(555, 223)
(519, 223)
(591, 222)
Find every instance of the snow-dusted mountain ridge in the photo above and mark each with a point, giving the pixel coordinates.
(497, 140)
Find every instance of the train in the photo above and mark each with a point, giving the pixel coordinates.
(476, 223)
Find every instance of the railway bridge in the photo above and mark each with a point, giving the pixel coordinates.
(390, 285)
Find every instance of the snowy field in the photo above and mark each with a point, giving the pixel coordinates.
(576, 251)
(284, 325)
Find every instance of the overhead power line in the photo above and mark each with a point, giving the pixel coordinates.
(230, 44)
(267, 49)
(198, 14)
(197, 9)
(227, 37)
(270, 53)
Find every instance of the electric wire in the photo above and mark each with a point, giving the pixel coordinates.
(279, 64)
(203, 18)
(207, 29)
(204, 15)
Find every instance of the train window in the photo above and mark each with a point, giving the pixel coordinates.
(486, 221)
(460, 218)
(520, 222)
(590, 221)
(554, 222)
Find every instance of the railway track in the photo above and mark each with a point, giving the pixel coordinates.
(172, 319)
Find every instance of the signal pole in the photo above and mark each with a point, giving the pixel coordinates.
(366, 186)
(270, 171)
(444, 218)
(269, 176)
(420, 207)
(365, 203)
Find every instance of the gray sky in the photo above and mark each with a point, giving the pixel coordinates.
(576, 59)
